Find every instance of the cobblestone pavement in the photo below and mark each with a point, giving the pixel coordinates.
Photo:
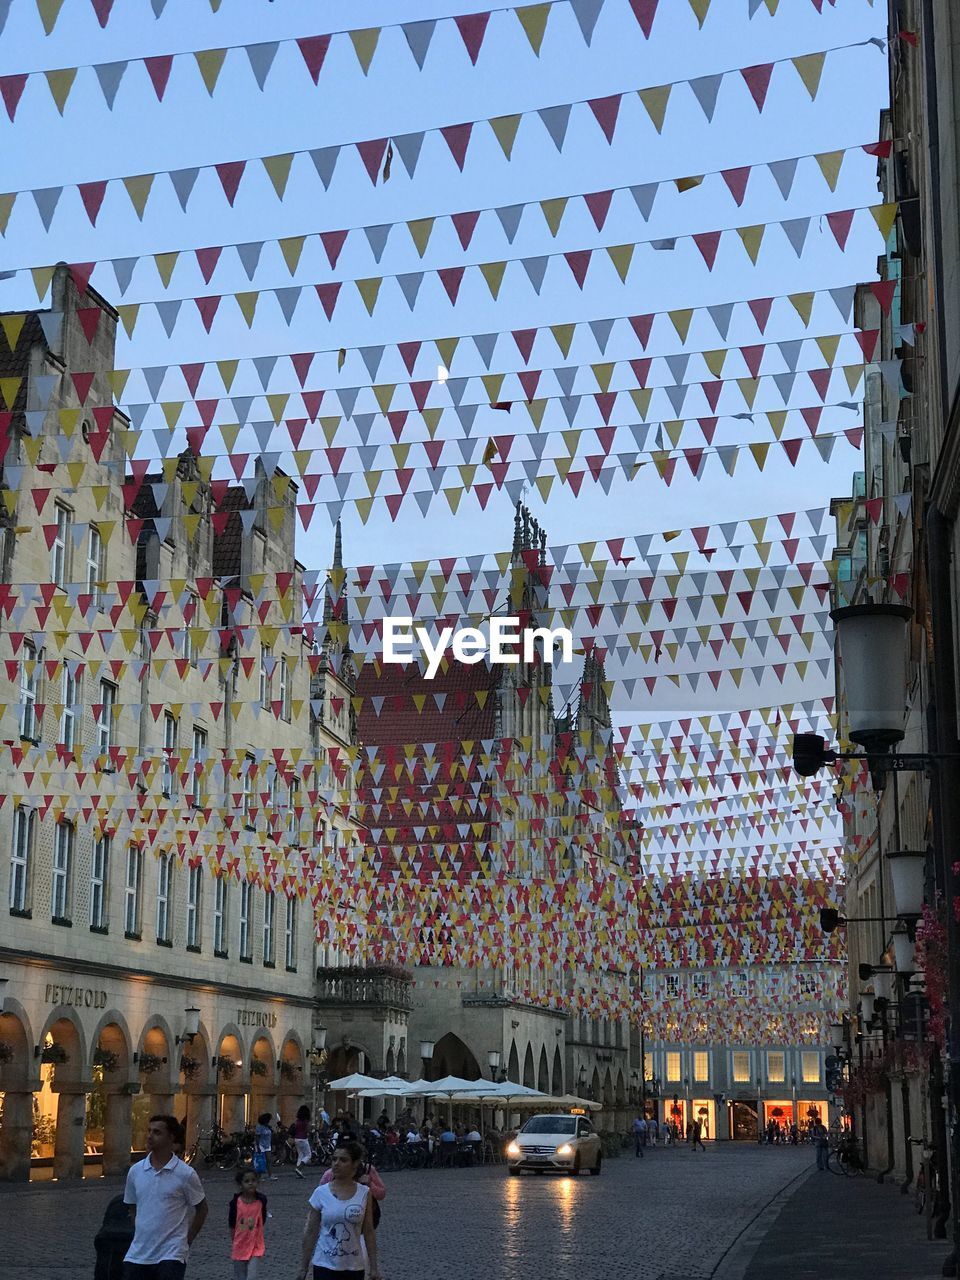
(671, 1216)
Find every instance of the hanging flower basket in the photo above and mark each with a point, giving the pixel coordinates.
(289, 1070)
(258, 1067)
(54, 1054)
(107, 1059)
(6, 1052)
(149, 1063)
(227, 1068)
(189, 1068)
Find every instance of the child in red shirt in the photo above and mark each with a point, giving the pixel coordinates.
(248, 1222)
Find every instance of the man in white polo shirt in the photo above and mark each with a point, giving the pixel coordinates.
(167, 1205)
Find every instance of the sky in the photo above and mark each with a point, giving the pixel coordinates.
(190, 127)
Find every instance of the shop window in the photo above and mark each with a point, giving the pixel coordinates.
(220, 903)
(741, 1067)
(21, 859)
(62, 883)
(673, 1067)
(776, 1067)
(701, 1066)
(810, 1066)
(194, 902)
(99, 881)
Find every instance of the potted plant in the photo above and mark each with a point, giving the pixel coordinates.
(289, 1070)
(149, 1063)
(54, 1054)
(258, 1067)
(107, 1059)
(189, 1068)
(226, 1067)
(6, 1052)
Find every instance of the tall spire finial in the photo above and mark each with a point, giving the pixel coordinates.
(338, 548)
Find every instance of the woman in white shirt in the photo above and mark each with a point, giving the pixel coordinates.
(339, 1237)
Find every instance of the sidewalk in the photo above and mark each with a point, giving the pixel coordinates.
(835, 1228)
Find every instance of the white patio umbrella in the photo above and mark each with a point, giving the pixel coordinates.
(447, 1087)
(352, 1083)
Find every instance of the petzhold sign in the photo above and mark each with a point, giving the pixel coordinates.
(256, 1018)
(75, 997)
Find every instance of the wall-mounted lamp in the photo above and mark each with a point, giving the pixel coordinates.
(191, 1026)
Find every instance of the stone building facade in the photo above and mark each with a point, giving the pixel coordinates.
(166, 722)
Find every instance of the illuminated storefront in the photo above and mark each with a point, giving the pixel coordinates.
(705, 1110)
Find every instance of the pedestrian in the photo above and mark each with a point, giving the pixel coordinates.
(167, 1204)
(821, 1139)
(300, 1132)
(339, 1237)
(639, 1137)
(794, 1135)
(247, 1217)
(263, 1146)
(652, 1130)
(667, 1133)
(697, 1134)
(367, 1177)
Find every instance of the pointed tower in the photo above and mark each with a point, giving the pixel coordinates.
(334, 685)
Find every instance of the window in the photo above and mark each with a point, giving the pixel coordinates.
(266, 675)
(290, 935)
(199, 759)
(194, 891)
(95, 570)
(672, 986)
(740, 986)
(701, 1066)
(220, 916)
(99, 871)
(108, 702)
(776, 1067)
(293, 801)
(29, 686)
(701, 986)
(808, 985)
(244, 935)
(170, 728)
(247, 781)
(285, 690)
(131, 892)
(741, 1067)
(24, 826)
(62, 871)
(189, 647)
(71, 707)
(164, 895)
(269, 908)
(60, 548)
(810, 1066)
(673, 1067)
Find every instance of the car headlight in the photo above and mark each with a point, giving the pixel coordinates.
(513, 1149)
(565, 1150)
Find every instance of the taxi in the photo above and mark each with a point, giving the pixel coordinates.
(565, 1143)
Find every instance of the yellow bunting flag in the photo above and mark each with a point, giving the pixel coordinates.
(365, 45)
(138, 189)
(60, 83)
(830, 163)
(533, 18)
(655, 103)
(505, 131)
(209, 64)
(278, 171)
(809, 68)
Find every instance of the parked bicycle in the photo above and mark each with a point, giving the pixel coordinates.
(216, 1147)
(844, 1159)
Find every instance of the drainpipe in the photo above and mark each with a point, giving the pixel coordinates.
(888, 1090)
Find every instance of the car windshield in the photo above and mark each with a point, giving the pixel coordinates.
(550, 1124)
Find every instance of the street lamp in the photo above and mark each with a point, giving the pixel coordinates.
(497, 1074)
(903, 959)
(320, 1039)
(867, 1003)
(426, 1054)
(908, 868)
(836, 1035)
(873, 654)
(191, 1026)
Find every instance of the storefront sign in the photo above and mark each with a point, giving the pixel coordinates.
(255, 1018)
(75, 997)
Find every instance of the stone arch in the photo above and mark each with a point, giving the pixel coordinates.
(620, 1091)
(263, 1075)
(595, 1085)
(64, 1028)
(543, 1072)
(452, 1057)
(528, 1076)
(230, 1069)
(557, 1081)
(513, 1064)
(390, 1066)
(196, 1051)
(608, 1089)
(17, 1080)
(402, 1059)
(157, 1042)
(19, 1072)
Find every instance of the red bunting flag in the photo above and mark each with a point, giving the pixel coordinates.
(314, 51)
(11, 89)
(457, 138)
(757, 79)
(158, 69)
(472, 28)
(644, 11)
(230, 172)
(605, 111)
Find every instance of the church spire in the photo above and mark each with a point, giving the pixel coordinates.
(335, 594)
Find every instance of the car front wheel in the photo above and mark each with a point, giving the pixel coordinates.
(595, 1171)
